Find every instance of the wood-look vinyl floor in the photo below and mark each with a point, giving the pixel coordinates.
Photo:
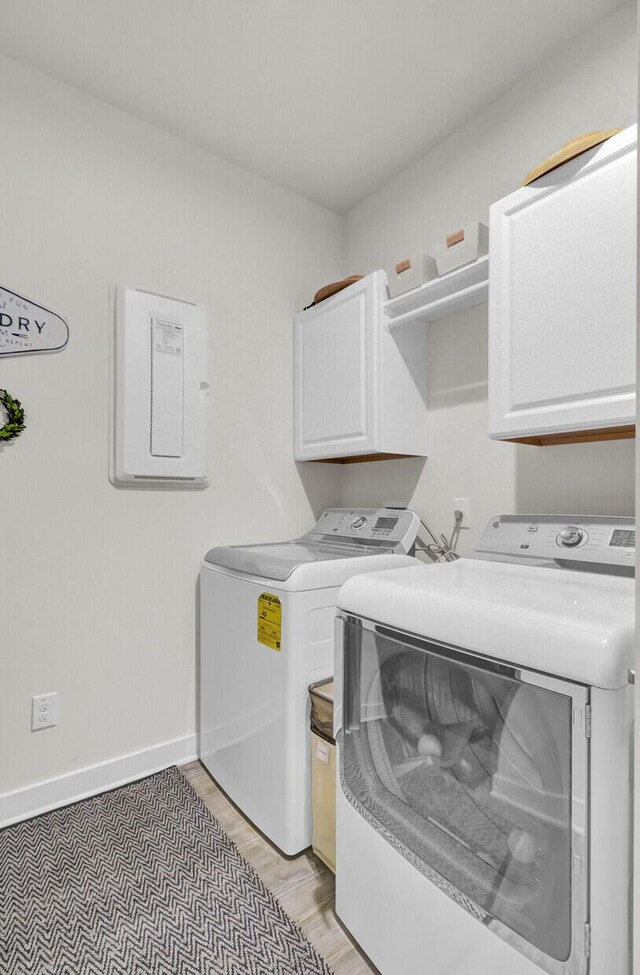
(303, 885)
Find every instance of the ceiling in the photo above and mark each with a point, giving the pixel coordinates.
(328, 98)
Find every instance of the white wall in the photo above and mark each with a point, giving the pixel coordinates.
(99, 589)
(590, 85)
(99, 584)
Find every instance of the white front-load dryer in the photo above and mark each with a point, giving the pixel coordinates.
(267, 627)
(483, 717)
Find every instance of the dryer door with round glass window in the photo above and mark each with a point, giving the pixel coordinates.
(477, 774)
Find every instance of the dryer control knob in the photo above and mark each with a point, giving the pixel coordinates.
(570, 536)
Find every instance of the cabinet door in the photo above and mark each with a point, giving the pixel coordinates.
(336, 373)
(562, 298)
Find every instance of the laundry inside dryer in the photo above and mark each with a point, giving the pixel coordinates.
(466, 772)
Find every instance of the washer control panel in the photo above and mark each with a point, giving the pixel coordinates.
(607, 541)
(392, 528)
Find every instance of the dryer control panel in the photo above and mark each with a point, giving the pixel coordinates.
(602, 541)
(394, 528)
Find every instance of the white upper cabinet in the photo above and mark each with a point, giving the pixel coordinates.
(562, 301)
(360, 392)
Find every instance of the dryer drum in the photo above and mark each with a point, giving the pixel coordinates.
(469, 771)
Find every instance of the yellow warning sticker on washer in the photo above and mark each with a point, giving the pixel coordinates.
(269, 620)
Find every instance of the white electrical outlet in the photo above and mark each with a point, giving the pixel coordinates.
(44, 711)
(463, 505)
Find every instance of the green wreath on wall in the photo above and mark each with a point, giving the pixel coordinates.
(15, 417)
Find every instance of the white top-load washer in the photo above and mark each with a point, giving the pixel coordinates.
(484, 729)
(267, 626)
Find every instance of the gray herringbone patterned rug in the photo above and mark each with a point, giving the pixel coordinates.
(140, 881)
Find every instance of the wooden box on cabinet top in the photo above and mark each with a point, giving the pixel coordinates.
(360, 391)
(562, 301)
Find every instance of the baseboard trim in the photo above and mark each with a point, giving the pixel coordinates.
(33, 800)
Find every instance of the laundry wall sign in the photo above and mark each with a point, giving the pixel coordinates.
(26, 326)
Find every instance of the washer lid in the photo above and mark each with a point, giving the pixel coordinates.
(277, 560)
(341, 533)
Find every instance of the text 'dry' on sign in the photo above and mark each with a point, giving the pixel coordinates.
(26, 326)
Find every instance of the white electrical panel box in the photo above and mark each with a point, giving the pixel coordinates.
(161, 391)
